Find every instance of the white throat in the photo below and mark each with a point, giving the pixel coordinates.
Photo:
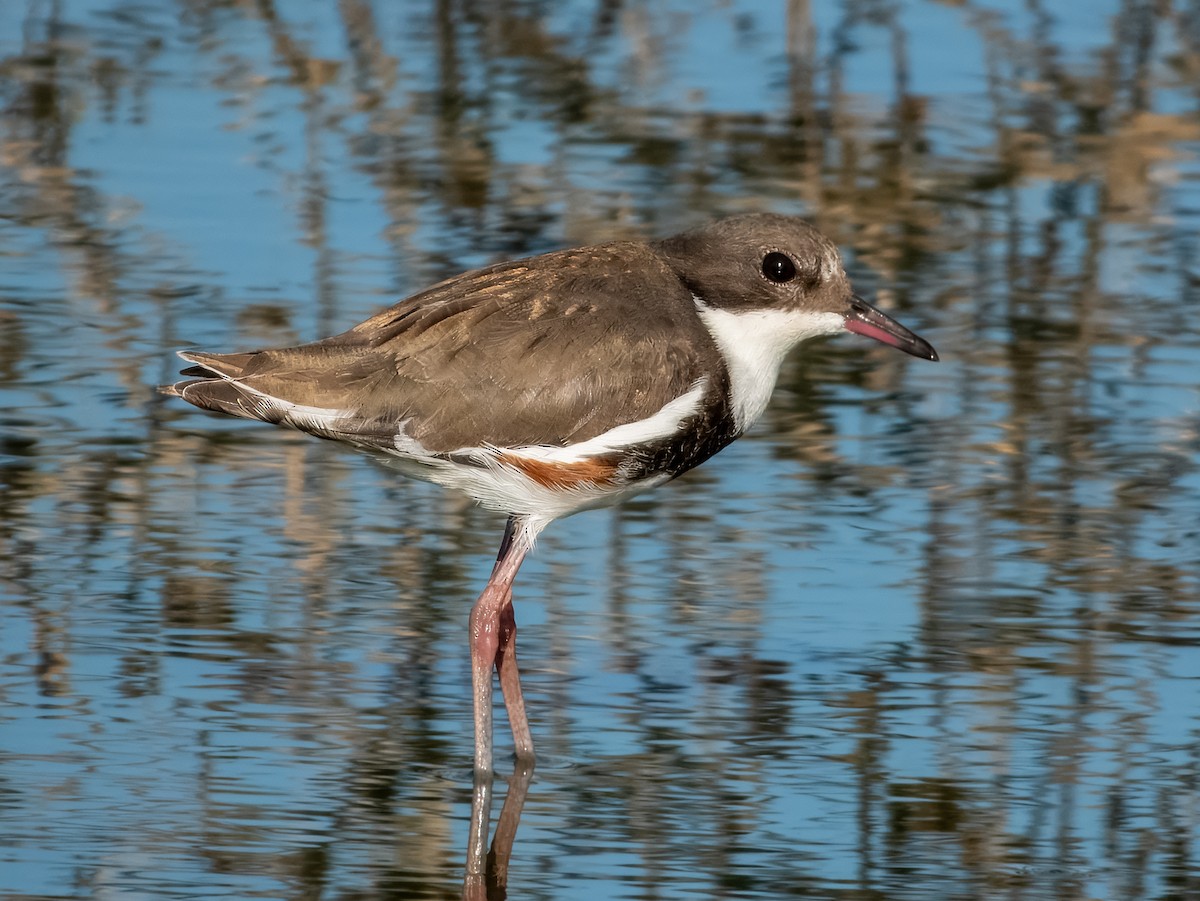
(754, 344)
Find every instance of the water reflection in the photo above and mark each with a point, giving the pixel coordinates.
(931, 631)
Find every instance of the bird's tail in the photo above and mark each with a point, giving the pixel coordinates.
(218, 383)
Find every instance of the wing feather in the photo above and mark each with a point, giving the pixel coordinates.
(548, 351)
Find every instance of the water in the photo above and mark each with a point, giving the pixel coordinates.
(931, 631)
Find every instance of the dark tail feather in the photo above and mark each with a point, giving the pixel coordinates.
(222, 396)
(211, 388)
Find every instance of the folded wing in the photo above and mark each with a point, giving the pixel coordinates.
(525, 353)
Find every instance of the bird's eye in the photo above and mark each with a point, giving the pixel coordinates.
(778, 267)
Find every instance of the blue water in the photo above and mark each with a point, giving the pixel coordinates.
(930, 631)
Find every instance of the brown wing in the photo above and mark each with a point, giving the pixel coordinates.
(551, 350)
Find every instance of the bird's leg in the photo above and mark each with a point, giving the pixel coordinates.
(510, 682)
(485, 631)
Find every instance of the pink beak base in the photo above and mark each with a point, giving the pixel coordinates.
(864, 319)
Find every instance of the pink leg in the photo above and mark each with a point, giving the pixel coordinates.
(510, 682)
(486, 641)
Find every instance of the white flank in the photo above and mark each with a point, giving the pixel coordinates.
(497, 486)
(663, 424)
(500, 486)
(754, 344)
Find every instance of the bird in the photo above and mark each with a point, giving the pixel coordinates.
(544, 386)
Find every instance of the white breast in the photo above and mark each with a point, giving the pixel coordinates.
(754, 344)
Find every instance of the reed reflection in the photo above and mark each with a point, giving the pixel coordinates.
(941, 640)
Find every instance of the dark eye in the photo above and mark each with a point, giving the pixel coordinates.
(778, 267)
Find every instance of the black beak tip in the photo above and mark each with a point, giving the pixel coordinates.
(864, 319)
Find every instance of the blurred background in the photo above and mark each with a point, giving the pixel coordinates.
(930, 631)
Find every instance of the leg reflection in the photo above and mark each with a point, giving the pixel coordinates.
(487, 874)
(481, 809)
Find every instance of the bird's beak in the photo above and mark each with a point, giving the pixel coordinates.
(864, 319)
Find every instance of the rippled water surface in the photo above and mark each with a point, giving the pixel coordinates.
(930, 631)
